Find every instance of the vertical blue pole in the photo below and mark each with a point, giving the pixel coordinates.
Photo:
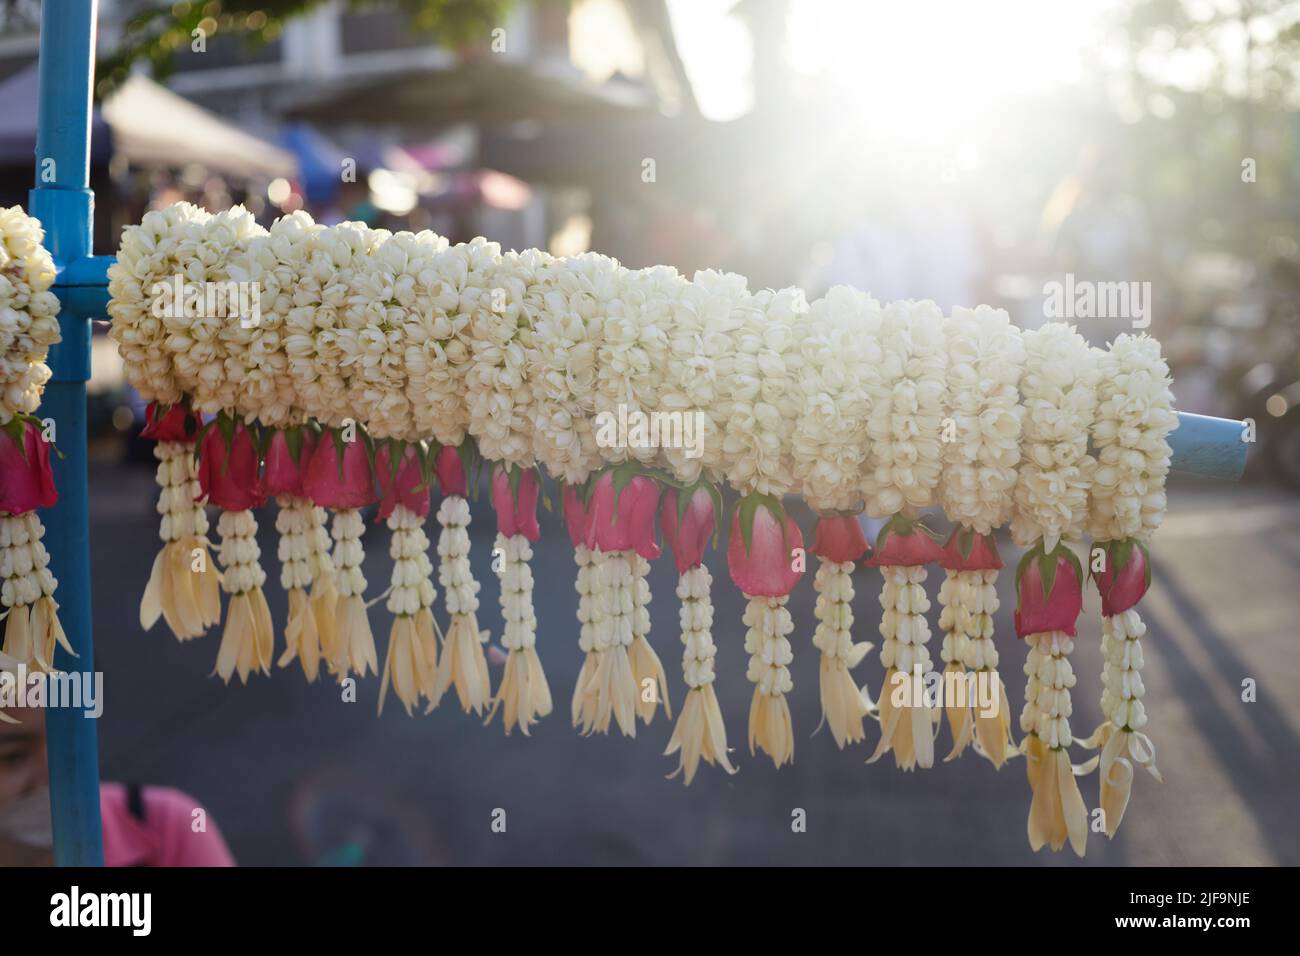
(64, 204)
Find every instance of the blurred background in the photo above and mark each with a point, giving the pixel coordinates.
(956, 151)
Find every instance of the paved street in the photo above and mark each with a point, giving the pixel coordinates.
(293, 774)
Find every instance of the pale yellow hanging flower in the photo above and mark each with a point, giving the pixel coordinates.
(647, 671)
(767, 642)
(463, 663)
(356, 642)
(844, 705)
(247, 641)
(699, 733)
(524, 695)
(411, 663)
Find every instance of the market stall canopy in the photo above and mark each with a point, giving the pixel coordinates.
(477, 92)
(152, 126)
(149, 126)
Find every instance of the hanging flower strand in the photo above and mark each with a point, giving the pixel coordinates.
(339, 477)
(303, 563)
(1058, 389)
(463, 664)
(1126, 504)
(524, 695)
(839, 544)
(985, 359)
(761, 560)
(688, 519)
(184, 586)
(411, 662)
(905, 424)
(228, 463)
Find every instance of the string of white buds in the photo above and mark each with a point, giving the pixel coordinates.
(700, 732)
(296, 549)
(843, 703)
(1121, 676)
(412, 588)
(1057, 812)
(303, 551)
(524, 694)
(767, 643)
(517, 593)
(27, 593)
(239, 553)
(905, 730)
(182, 587)
(647, 670)
(955, 616)
(463, 664)
(614, 683)
(412, 658)
(593, 638)
(246, 642)
(356, 642)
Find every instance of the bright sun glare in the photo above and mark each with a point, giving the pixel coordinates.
(937, 58)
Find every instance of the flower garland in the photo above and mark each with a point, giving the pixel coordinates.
(1059, 396)
(688, 518)
(1126, 504)
(524, 695)
(524, 357)
(411, 662)
(28, 327)
(985, 357)
(906, 461)
(463, 664)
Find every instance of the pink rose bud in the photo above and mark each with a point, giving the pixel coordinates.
(624, 520)
(286, 462)
(839, 538)
(766, 567)
(26, 482)
(406, 487)
(1049, 592)
(687, 533)
(339, 478)
(577, 516)
(451, 472)
(178, 423)
(968, 551)
(516, 508)
(228, 473)
(902, 544)
(1125, 577)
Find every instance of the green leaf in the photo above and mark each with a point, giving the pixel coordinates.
(1147, 566)
(965, 542)
(1024, 562)
(1047, 572)
(337, 436)
(293, 440)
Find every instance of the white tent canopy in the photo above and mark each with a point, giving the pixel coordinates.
(150, 126)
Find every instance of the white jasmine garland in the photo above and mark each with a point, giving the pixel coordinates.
(611, 689)
(1058, 389)
(905, 722)
(767, 642)
(647, 671)
(843, 703)
(700, 733)
(28, 313)
(699, 364)
(593, 639)
(247, 642)
(32, 628)
(355, 650)
(298, 523)
(524, 695)
(463, 663)
(183, 587)
(1057, 812)
(412, 659)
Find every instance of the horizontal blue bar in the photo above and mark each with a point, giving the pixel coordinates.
(1214, 447)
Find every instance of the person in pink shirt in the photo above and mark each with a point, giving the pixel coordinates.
(143, 826)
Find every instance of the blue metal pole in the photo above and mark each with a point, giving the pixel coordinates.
(1214, 447)
(64, 204)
